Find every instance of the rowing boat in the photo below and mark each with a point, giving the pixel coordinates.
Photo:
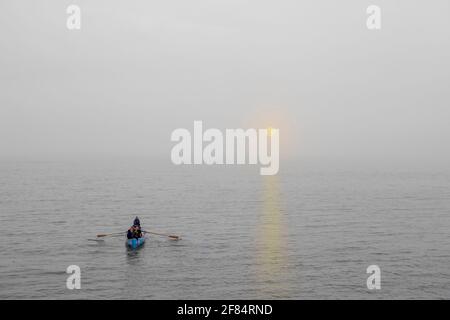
(135, 243)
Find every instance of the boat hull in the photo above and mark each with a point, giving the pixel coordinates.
(135, 243)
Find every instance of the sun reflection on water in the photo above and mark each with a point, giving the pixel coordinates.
(271, 241)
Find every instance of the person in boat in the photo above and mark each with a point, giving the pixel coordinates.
(136, 222)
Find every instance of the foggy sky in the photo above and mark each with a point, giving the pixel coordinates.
(139, 69)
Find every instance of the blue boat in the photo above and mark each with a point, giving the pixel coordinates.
(135, 243)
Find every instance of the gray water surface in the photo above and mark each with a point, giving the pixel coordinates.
(303, 234)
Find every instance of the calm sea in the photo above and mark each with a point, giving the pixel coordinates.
(303, 234)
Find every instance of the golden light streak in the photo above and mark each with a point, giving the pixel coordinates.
(271, 245)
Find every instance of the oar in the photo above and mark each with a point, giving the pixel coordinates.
(173, 237)
(110, 234)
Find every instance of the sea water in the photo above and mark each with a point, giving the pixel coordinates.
(305, 233)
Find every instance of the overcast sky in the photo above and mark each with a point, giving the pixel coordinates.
(139, 69)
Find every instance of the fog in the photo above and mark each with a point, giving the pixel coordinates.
(137, 70)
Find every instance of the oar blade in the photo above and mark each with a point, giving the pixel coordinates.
(110, 234)
(172, 237)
